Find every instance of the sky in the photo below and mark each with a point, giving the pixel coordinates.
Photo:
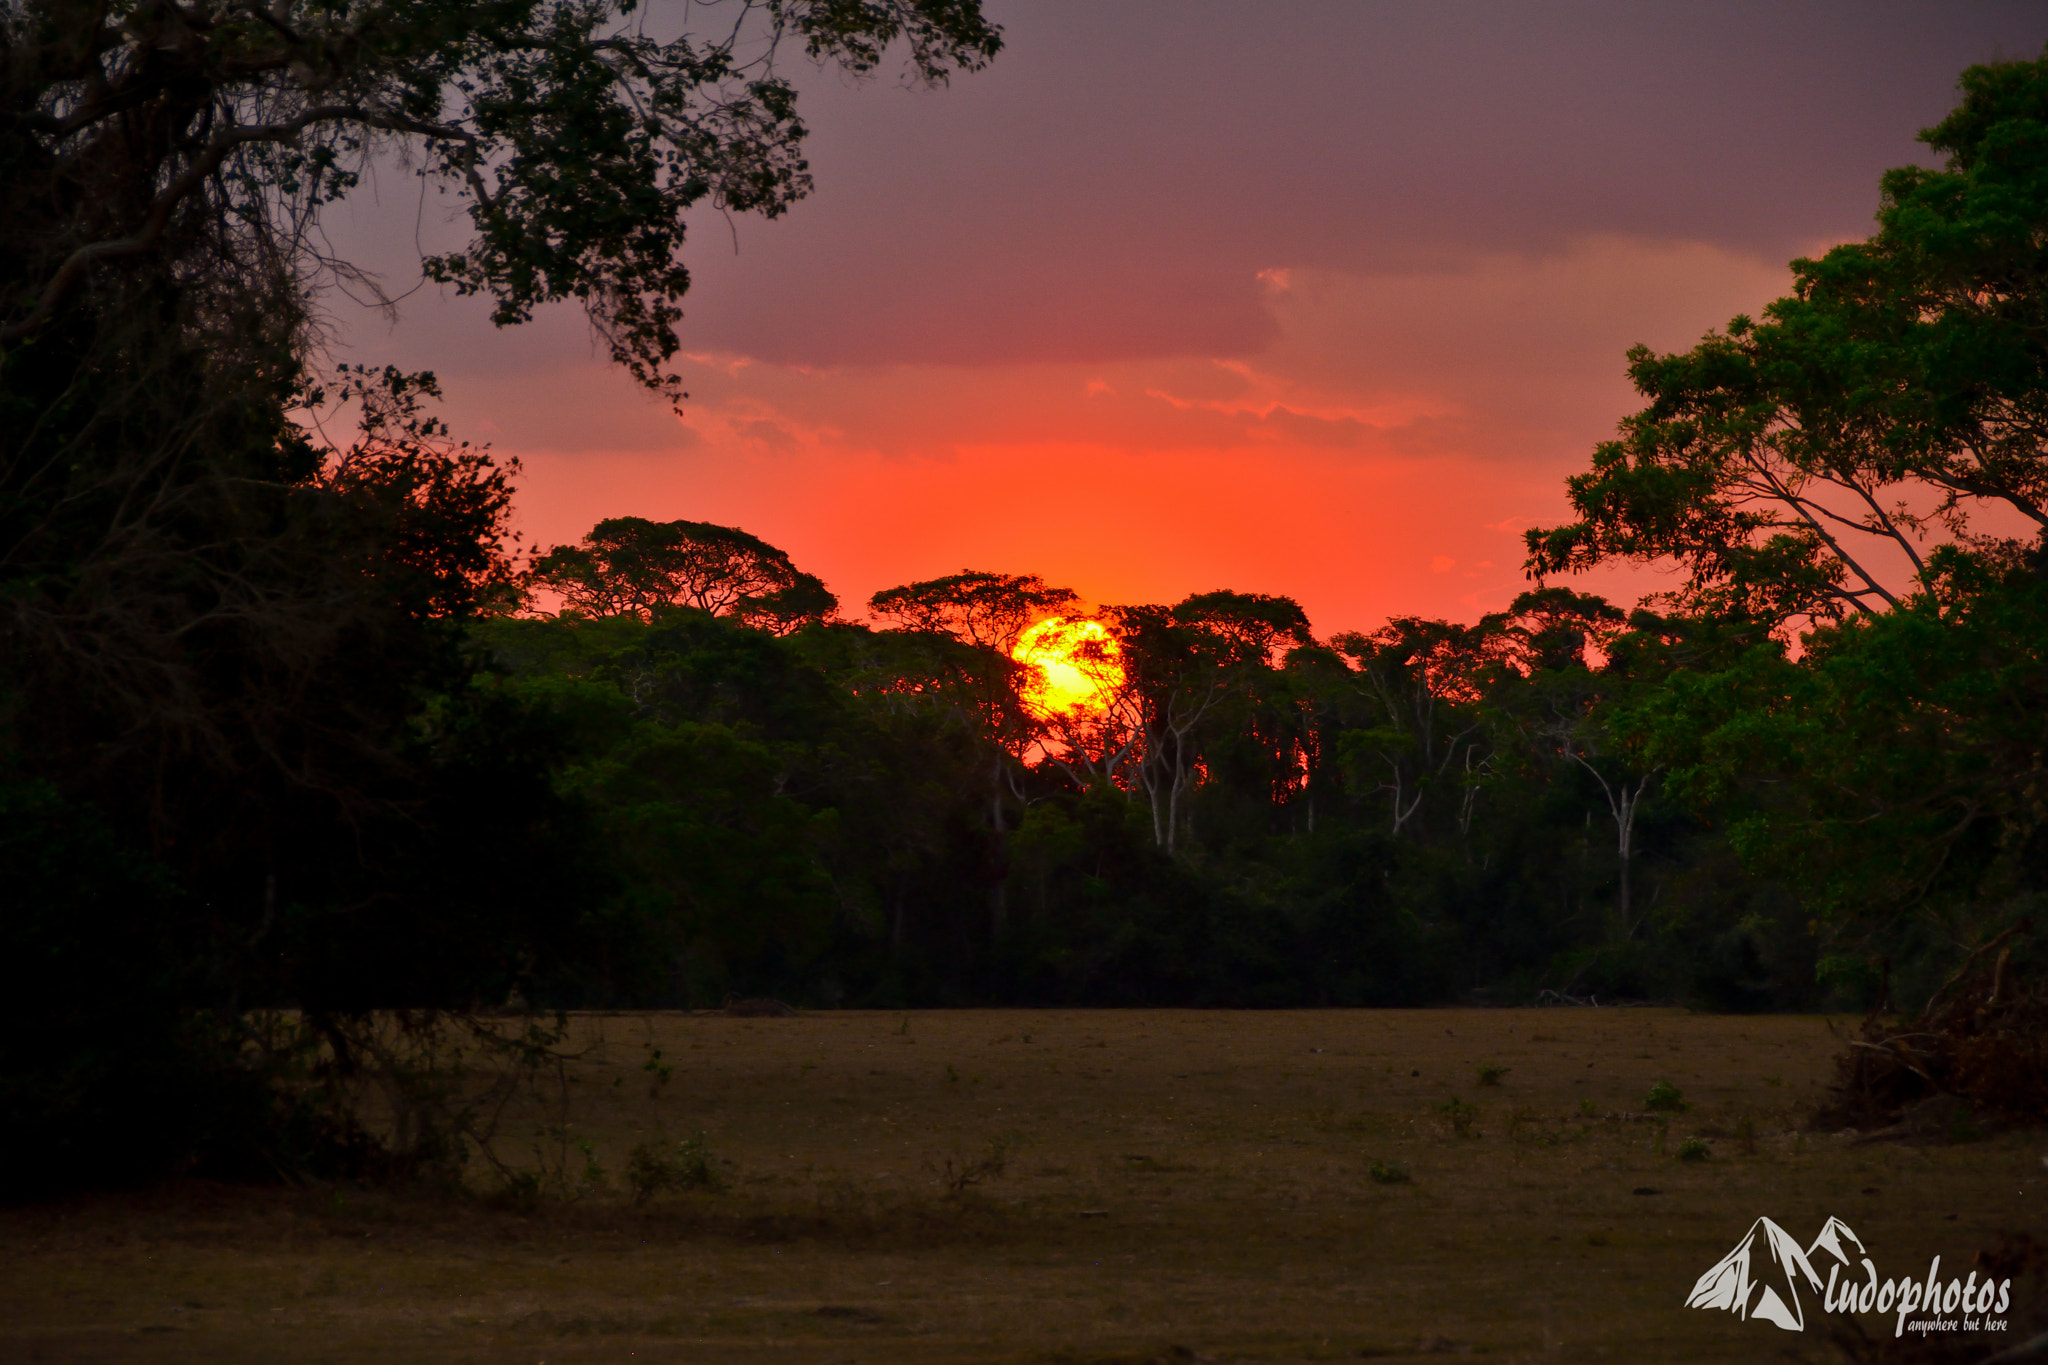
(1307, 298)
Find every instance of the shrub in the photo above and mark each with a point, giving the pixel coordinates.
(1694, 1149)
(1665, 1096)
(1387, 1173)
(1461, 1116)
(960, 1173)
(654, 1168)
(1491, 1072)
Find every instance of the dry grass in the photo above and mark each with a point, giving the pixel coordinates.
(1145, 1185)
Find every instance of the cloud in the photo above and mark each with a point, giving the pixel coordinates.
(1062, 317)
(1137, 181)
(1391, 440)
(1497, 356)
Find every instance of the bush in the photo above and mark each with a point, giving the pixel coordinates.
(1694, 1149)
(1461, 1115)
(1666, 1097)
(654, 1168)
(960, 1173)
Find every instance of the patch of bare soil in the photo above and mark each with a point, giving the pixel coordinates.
(1077, 1186)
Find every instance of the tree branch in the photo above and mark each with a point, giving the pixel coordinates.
(189, 182)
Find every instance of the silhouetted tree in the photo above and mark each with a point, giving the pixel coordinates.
(1429, 739)
(207, 138)
(1181, 664)
(629, 566)
(1797, 466)
(986, 609)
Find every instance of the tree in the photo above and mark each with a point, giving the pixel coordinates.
(1892, 773)
(1093, 740)
(201, 140)
(1839, 463)
(1798, 466)
(985, 612)
(1562, 701)
(1424, 676)
(284, 647)
(1554, 629)
(1180, 664)
(240, 652)
(986, 609)
(237, 671)
(629, 566)
(1577, 727)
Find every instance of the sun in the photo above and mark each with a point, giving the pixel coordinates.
(1076, 663)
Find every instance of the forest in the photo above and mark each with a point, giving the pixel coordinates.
(292, 724)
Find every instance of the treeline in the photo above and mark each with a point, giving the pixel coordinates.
(1242, 814)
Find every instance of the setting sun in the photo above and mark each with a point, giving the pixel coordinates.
(1076, 661)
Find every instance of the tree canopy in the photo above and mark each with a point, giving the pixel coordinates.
(986, 609)
(632, 566)
(1800, 465)
(205, 138)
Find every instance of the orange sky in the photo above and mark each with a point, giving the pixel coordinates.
(1380, 454)
(1339, 336)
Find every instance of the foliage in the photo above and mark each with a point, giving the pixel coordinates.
(985, 609)
(1796, 466)
(860, 815)
(632, 566)
(1843, 461)
(656, 1168)
(1184, 667)
(847, 813)
(1461, 1116)
(241, 704)
(1889, 775)
(1664, 1097)
(209, 136)
(237, 658)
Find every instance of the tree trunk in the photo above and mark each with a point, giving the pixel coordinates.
(1627, 918)
(999, 870)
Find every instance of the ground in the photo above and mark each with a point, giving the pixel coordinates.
(1172, 1185)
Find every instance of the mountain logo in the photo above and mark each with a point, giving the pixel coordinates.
(1769, 1275)
(1831, 1238)
(1760, 1278)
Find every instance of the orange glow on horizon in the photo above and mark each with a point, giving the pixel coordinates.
(1076, 665)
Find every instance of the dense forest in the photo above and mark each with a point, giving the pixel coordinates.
(1241, 814)
(293, 724)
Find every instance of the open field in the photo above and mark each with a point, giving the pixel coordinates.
(1178, 1185)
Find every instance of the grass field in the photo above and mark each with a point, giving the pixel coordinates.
(1173, 1185)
